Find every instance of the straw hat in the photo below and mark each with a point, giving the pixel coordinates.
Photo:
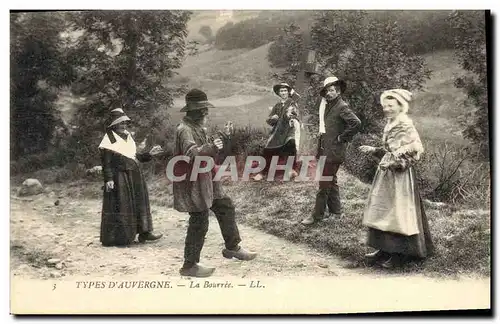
(332, 81)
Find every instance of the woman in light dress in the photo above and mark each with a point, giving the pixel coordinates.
(397, 225)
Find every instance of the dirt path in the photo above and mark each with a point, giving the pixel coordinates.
(70, 232)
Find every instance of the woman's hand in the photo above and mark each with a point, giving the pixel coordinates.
(156, 150)
(367, 149)
(275, 117)
(110, 185)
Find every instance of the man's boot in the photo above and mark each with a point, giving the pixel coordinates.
(239, 253)
(196, 270)
(308, 221)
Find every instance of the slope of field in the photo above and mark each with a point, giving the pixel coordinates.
(215, 19)
(240, 109)
(238, 82)
(244, 79)
(244, 66)
(437, 106)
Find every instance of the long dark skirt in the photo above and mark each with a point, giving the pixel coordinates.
(125, 210)
(283, 152)
(419, 245)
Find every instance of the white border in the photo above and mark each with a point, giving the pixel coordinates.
(255, 4)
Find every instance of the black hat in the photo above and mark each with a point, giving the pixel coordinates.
(196, 100)
(117, 116)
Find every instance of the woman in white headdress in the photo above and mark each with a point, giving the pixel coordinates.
(395, 217)
(125, 208)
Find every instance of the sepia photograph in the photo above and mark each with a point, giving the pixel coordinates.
(237, 162)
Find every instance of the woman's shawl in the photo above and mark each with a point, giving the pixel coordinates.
(401, 142)
(113, 142)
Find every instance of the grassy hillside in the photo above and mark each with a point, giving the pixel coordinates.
(249, 67)
(215, 19)
(240, 74)
(437, 106)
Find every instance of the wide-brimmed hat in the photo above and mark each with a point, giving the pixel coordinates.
(196, 100)
(401, 95)
(332, 81)
(277, 87)
(116, 117)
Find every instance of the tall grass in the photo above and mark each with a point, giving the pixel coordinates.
(462, 237)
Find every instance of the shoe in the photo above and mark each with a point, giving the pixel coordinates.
(258, 177)
(308, 221)
(372, 258)
(392, 262)
(197, 271)
(143, 237)
(240, 254)
(293, 174)
(332, 216)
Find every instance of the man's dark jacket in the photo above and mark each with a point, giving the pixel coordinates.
(341, 124)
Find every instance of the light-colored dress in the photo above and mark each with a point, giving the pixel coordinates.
(394, 213)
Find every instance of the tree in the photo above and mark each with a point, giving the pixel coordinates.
(37, 69)
(126, 59)
(286, 48)
(206, 31)
(366, 52)
(470, 48)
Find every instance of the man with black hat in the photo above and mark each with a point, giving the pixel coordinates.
(286, 127)
(199, 196)
(337, 126)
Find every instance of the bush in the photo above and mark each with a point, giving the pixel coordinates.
(206, 32)
(248, 141)
(471, 49)
(448, 173)
(34, 162)
(363, 166)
